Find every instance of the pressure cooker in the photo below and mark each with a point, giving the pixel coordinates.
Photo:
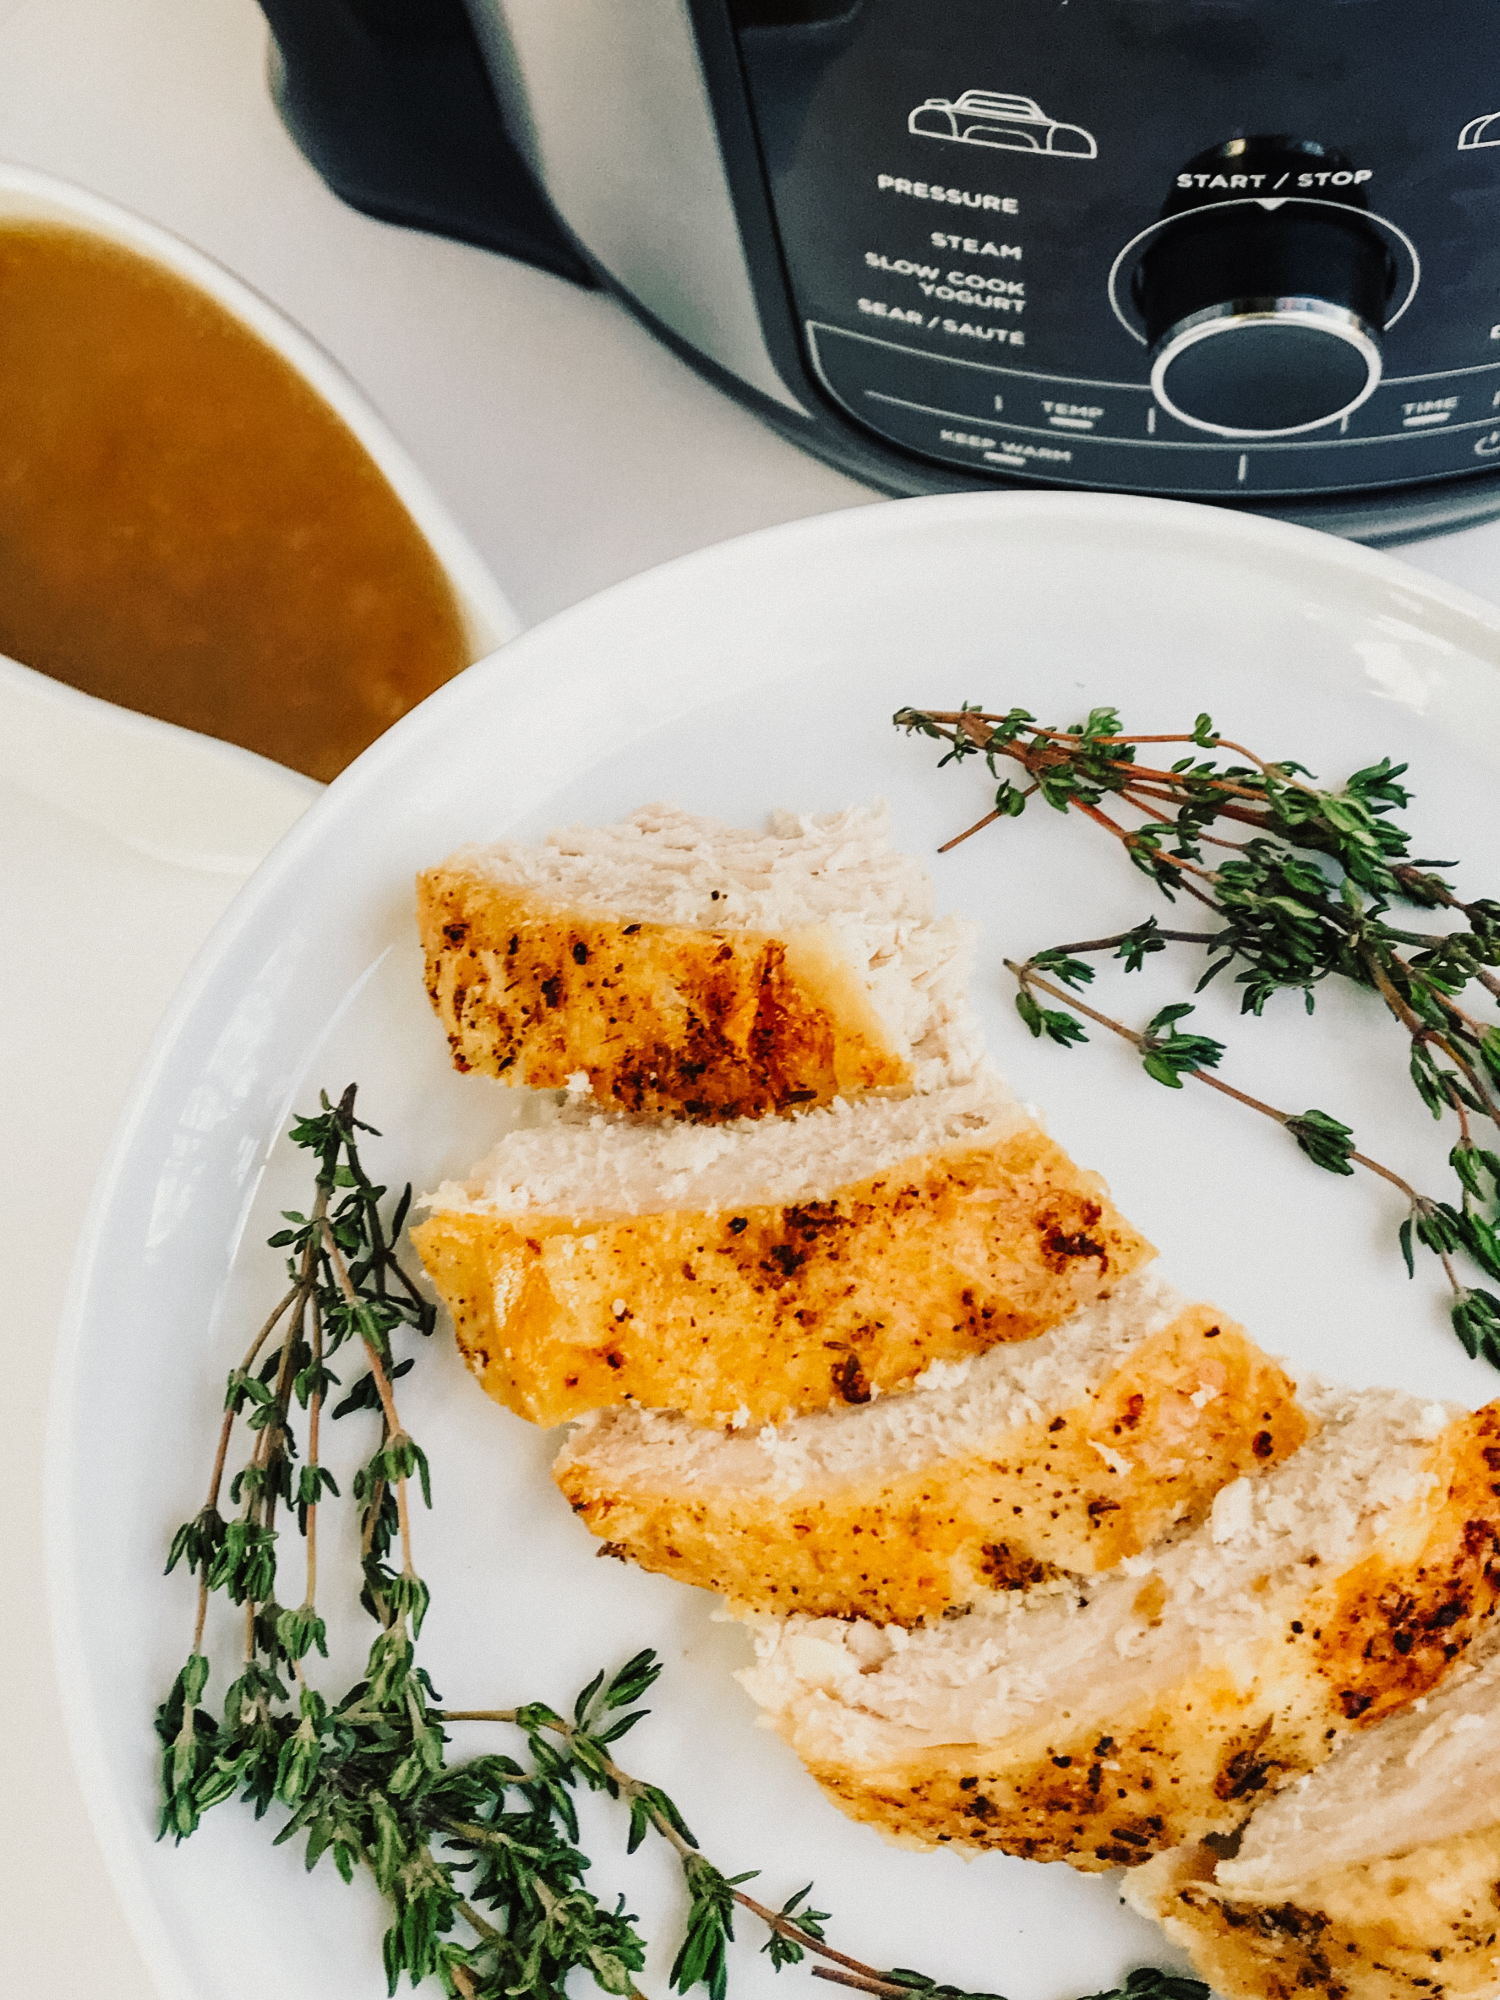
(1239, 251)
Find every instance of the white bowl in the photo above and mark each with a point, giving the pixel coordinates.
(26, 195)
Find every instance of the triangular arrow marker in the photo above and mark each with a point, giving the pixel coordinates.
(1270, 200)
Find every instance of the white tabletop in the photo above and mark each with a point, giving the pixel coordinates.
(575, 451)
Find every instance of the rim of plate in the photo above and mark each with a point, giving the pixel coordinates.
(1181, 530)
(488, 615)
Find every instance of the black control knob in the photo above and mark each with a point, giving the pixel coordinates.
(1264, 311)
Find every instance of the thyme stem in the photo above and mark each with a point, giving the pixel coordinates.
(1142, 1042)
(221, 1455)
(383, 1390)
(862, 1982)
(635, 1788)
(314, 1418)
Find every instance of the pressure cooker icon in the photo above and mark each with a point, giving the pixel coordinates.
(992, 118)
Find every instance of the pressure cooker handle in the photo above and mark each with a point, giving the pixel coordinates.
(391, 102)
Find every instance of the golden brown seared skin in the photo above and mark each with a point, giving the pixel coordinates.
(775, 1310)
(1336, 1653)
(1042, 1499)
(674, 1022)
(1424, 1925)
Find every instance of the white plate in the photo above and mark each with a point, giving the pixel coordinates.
(758, 674)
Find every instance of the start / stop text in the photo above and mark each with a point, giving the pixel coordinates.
(1254, 183)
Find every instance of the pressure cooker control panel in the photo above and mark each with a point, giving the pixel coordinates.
(1213, 247)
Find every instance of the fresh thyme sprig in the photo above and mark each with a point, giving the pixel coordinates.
(1303, 896)
(479, 1862)
(347, 1284)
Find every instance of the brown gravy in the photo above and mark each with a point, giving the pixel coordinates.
(187, 529)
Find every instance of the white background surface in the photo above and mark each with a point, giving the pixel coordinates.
(573, 449)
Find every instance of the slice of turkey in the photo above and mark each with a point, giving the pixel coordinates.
(1070, 1451)
(743, 1273)
(679, 967)
(1374, 1875)
(1151, 1708)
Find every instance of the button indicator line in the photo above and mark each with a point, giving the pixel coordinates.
(1280, 446)
(1029, 376)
